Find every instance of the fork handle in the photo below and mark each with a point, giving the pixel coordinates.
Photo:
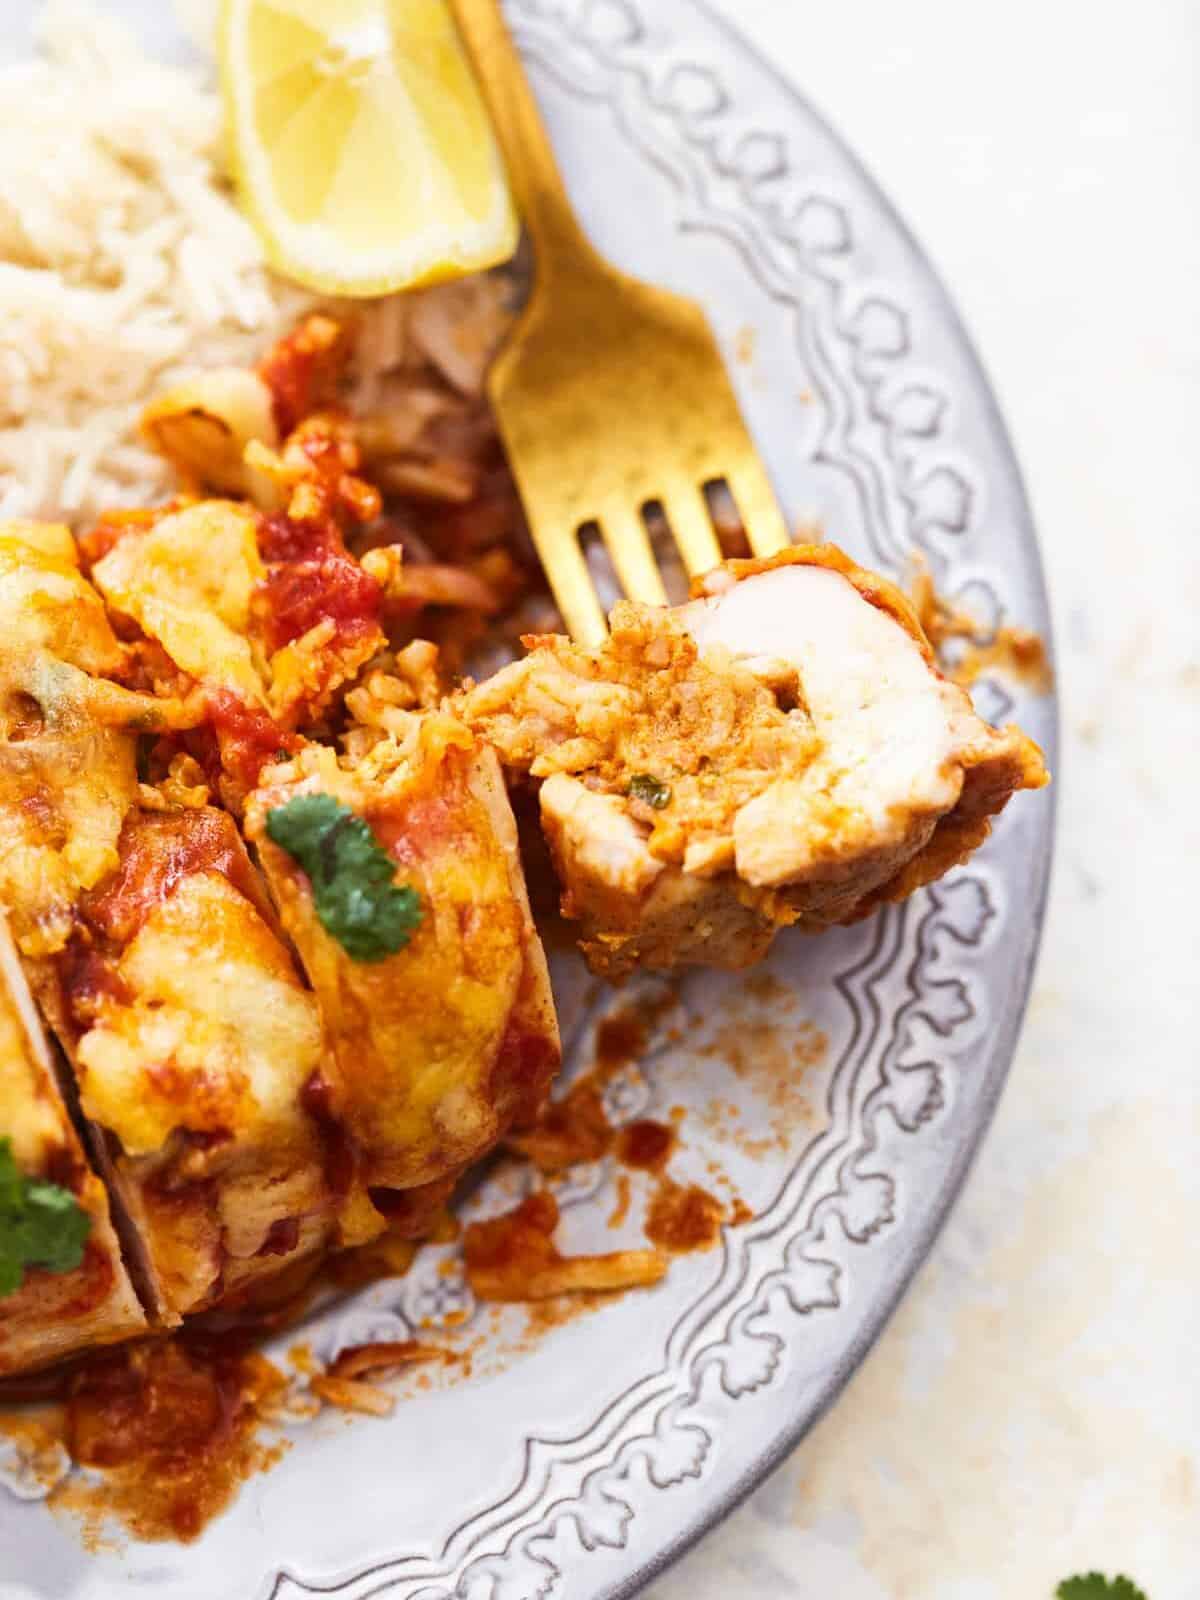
(537, 183)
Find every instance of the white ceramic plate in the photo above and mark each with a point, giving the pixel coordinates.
(577, 1463)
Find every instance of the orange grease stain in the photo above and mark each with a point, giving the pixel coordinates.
(624, 1194)
(682, 1218)
(620, 1039)
(1016, 652)
(646, 1146)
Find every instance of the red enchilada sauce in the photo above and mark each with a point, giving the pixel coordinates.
(683, 1218)
(158, 850)
(301, 370)
(246, 739)
(171, 1425)
(312, 578)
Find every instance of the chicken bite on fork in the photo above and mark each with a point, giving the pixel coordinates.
(780, 750)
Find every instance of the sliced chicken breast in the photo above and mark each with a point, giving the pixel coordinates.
(448, 1038)
(53, 1313)
(193, 1041)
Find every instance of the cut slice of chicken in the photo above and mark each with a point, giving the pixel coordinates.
(782, 749)
(53, 1314)
(440, 1046)
(193, 1038)
(67, 757)
(193, 1042)
(203, 428)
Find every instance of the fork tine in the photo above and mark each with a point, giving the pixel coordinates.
(571, 584)
(629, 546)
(759, 509)
(686, 511)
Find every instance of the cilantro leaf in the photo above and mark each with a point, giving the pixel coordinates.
(1095, 1586)
(354, 895)
(10, 1178)
(645, 786)
(41, 1224)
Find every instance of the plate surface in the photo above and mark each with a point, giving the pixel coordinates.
(841, 1097)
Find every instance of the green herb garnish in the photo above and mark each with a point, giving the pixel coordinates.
(41, 1224)
(653, 791)
(1095, 1586)
(354, 895)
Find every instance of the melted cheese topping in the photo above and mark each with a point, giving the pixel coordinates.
(31, 1112)
(47, 607)
(220, 1036)
(62, 803)
(187, 582)
(883, 715)
(65, 782)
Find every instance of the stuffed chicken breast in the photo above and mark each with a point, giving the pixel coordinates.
(193, 1040)
(783, 749)
(397, 876)
(63, 1284)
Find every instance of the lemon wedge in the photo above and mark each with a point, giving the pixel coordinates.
(361, 146)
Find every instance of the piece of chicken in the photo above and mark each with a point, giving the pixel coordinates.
(442, 1045)
(782, 749)
(257, 600)
(220, 428)
(53, 1313)
(194, 1042)
(67, 755)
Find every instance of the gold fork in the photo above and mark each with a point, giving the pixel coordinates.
(610, 394)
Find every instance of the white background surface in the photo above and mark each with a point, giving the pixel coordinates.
(1034, 1409)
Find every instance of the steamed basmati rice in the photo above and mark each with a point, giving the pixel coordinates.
(124, 263)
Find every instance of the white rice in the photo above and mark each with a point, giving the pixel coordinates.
(124, 263)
